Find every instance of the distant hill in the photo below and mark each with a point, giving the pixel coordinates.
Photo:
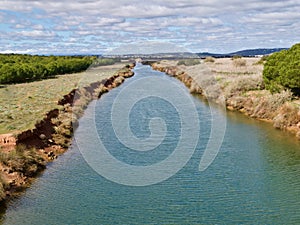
(259, 51)
(179, 55)
(245, 53)
(174, 55)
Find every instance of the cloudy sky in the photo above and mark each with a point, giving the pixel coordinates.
(100, 26)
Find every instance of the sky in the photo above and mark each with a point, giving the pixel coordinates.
(118, 26)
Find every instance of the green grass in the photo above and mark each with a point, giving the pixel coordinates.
(22, 105)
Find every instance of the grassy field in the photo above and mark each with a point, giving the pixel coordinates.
(21, 105)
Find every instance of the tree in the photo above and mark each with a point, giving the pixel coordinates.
(16, 68)
(282, 70)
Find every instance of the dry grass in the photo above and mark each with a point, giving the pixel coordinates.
(237, 76)
(226, 66)
(239, 62)
(224, 78)
(268, 106)
(289, 116)
(23, 160)
(241, 84)
(63, 128)
(188, 62)
(17, 165)
(242, 87)
(209, 59)
(22, 104)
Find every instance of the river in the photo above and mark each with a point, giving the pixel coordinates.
(254, 178)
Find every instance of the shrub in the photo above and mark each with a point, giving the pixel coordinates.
(16, 68)
(22, 159)
(282, 70)
(104, 61)
(188, 62)
(2, 191)
(181, 62)
(209, 59)
(287, 116)
(243, 84)
(262, 60)
(268, 106)
(239, 62)
(236, 57)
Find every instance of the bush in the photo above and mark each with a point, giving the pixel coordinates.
(104, 62)
(2, 188)
(22, 159)
(268, 106)
(188, 62)
(236, 57)
(282, 70)
(209, 59)
(243, 84)
(16, 68)
(239, 62)
(288, 116)
(262, 60)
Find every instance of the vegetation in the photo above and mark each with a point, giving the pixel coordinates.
(104, 61)
(2, 188)
(15, 68)
(262, 60)
(238, 62)
(22, 104)
(209, 59)
(22, 159)
(243, 88)
(282, 70)
(188, 62)
(21, 162)
(236, 57)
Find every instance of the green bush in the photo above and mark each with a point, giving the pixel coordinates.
(282, 70)
(15, 68)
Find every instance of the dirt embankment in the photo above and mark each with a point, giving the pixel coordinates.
(24, 155)
(240, 90)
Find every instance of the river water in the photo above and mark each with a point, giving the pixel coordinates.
(254, 179)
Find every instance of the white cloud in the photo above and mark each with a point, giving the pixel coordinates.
(36, 34)
(146, 47)
(209, 24)
(7, 51)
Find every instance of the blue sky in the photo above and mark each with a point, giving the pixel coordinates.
(106, 26)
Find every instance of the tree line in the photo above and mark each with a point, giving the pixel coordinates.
(282, 70)
(19, 68)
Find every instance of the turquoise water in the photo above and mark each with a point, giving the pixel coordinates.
(255, 178)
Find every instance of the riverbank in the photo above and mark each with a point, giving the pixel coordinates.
(25, 154)
(255, 176)
(239, 85)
